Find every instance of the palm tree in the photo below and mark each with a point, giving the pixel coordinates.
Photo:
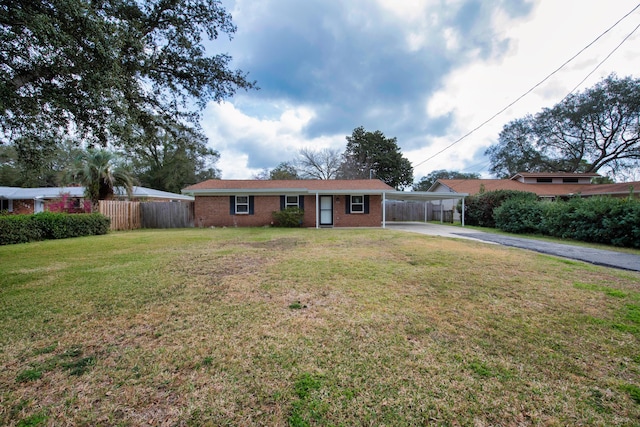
(96, 171)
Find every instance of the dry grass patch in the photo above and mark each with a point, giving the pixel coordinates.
(312, 327)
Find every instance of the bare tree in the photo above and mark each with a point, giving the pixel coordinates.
(318, 164)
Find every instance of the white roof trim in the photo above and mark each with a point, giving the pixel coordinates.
(17, 193)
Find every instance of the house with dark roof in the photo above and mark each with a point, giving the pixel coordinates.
(326, 203)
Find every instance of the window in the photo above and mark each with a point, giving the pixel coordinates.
(242, 204)
(357, 204)
(544, 180)
(570, 180)
(291, 202)
(6, 205)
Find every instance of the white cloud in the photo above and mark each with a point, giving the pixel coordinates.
(248, 144)
(474, 92)
(427, 72)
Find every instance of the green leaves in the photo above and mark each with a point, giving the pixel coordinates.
(371, 154)
(97, 67)
(586, 132)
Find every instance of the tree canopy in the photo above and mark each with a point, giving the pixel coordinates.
(127, 75)
(591, 131)
(170, 161)
(318, 164)
(99, 173)
(285, 170)
(427, 181)
(104, 68)
(371, 154)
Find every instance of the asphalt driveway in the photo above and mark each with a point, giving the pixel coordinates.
(593, 256)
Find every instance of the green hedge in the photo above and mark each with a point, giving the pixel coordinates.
(479, 208)
(519, 215)
(606, 220)
(48, 225)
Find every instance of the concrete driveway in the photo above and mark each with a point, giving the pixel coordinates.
(593, 256)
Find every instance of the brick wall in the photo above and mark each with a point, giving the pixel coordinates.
(214, 211)
(22, 207)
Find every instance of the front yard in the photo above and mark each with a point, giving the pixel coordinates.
(312, 327)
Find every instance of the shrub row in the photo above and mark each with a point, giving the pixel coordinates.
(479, 208)
(49, 225)
(605, 220)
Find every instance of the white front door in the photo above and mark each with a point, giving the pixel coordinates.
(326, 210)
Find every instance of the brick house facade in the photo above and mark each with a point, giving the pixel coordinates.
(326, 203)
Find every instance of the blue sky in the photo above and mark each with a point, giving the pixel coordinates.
(424, 71)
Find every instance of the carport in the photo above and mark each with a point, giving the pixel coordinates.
(420, 196)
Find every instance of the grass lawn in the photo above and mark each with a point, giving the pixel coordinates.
(312, 327)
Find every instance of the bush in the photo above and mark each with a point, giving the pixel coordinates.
(519, 215)
(624, 224)
(479, 208)
(19, 229)
(289, 217)
(605, 220)
(49, 225)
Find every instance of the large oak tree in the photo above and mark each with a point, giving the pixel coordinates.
(105, 72)
(592, 131)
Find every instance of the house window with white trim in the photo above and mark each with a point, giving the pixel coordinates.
(291, 202)
(357, 204)
(242, 204)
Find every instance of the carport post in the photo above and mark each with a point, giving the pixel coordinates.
(317, 210)
(384, 210)
(441, 212)
(463, 211)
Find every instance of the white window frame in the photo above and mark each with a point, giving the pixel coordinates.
(357, 207)
(288, 204)
(240, 204)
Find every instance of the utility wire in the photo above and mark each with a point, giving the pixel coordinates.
(602, 62)
(540, 83)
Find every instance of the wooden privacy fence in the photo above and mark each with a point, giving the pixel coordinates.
(167, 215)
(416, 211)
(133, 215)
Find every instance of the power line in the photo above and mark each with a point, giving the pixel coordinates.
(541, 82)
(603, 61)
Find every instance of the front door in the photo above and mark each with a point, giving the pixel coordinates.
(326, 210)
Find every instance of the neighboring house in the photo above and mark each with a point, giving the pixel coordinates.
(545, 185)
(548, 186)
(33, 200)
